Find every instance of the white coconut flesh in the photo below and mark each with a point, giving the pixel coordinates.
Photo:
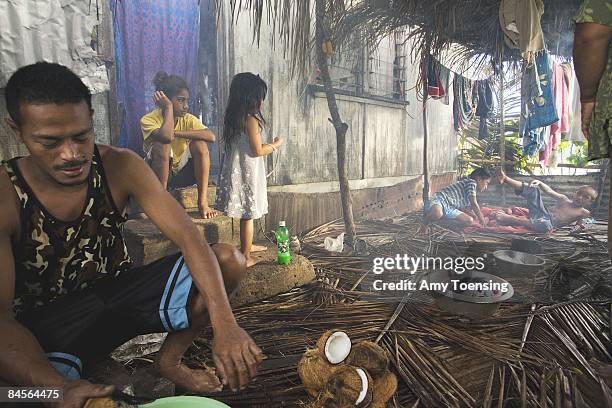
(337, 347)
(364, 386)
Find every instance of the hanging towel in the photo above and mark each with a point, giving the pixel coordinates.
(533, 141)
(485, 105)
(433, 77)
(547, 149)
(520, 22)
(444, 82)
(537, 102)
(464, 100)
(560, 97)
(574, 115)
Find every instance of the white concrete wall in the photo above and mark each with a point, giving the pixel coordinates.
(385, 139)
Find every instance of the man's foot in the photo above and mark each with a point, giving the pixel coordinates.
(207, 212)
(196, 381)
(258, 248)
(250, 261)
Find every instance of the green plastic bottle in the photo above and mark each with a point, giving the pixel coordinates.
(282, 241)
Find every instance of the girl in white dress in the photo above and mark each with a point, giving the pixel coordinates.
(242, 191)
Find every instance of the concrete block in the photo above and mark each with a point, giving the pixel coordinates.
(146, 243)
(188, 196)
(268, 278)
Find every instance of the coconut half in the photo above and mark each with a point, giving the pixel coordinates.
(364, 386)
(337, 347)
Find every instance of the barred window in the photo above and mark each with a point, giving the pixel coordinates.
(380, 74)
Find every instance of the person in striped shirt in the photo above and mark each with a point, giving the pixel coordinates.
(446, 203)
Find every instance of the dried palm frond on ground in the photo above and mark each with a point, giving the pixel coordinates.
(544, 349)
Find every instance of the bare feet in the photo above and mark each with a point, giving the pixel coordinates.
(207, 212)
(501, 217)
(250, 261)
(501, 176)
(258, 248)
(197, 381)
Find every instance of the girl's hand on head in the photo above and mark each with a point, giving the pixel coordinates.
(278, 141)
(162, 100)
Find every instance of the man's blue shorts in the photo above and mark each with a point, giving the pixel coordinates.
(87, 325)
(448, 212)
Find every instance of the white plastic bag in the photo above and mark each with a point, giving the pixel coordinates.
(334, 244)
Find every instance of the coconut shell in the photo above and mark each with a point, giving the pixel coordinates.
(369, 356)
(314, 371)
(323, 339)
(101, 403)
(343, 388)
(384, 389)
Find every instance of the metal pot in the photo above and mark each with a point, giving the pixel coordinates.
(529, 246)
(515, 264)
(474, 305)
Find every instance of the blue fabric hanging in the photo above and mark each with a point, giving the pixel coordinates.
(152, 36)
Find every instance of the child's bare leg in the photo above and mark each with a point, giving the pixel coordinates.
(502, 178)
(435, 213)
(464, 219)
(258, 248)
(201, 166)
(512, 220)
(246, 240)
(160, 162)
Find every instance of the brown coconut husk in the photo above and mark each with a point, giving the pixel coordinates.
(323, 339)
(369, 356)
(384, 389)
(101, 403)
(343, 388)
(314, 371)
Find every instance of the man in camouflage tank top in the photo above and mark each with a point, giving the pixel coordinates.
(593, 65)
(69, 292)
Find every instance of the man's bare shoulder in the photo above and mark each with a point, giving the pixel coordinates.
(9, 204)
(118, 160)
(122, 168)
(112, 153)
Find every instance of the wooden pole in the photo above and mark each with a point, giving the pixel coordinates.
(502, 127)
(425, 140)
(339, 125)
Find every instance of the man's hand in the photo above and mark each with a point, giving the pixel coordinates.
(76, 393)
(236, 356)
(586, 111)
(162, 100)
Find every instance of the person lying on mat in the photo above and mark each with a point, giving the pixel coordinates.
(69, 293)
(445, 204)
(541, 219)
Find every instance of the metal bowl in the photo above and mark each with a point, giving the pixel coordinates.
(469, 303)
(517, 264)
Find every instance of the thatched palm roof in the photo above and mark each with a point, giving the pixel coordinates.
(435, 24)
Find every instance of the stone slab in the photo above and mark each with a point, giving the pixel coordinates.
(188, 196)
(146, 243)
(267, 278)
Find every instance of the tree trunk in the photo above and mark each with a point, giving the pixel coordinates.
(341, 127)
(425, 141)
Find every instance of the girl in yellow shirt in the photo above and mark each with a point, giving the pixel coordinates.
(175, 141)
